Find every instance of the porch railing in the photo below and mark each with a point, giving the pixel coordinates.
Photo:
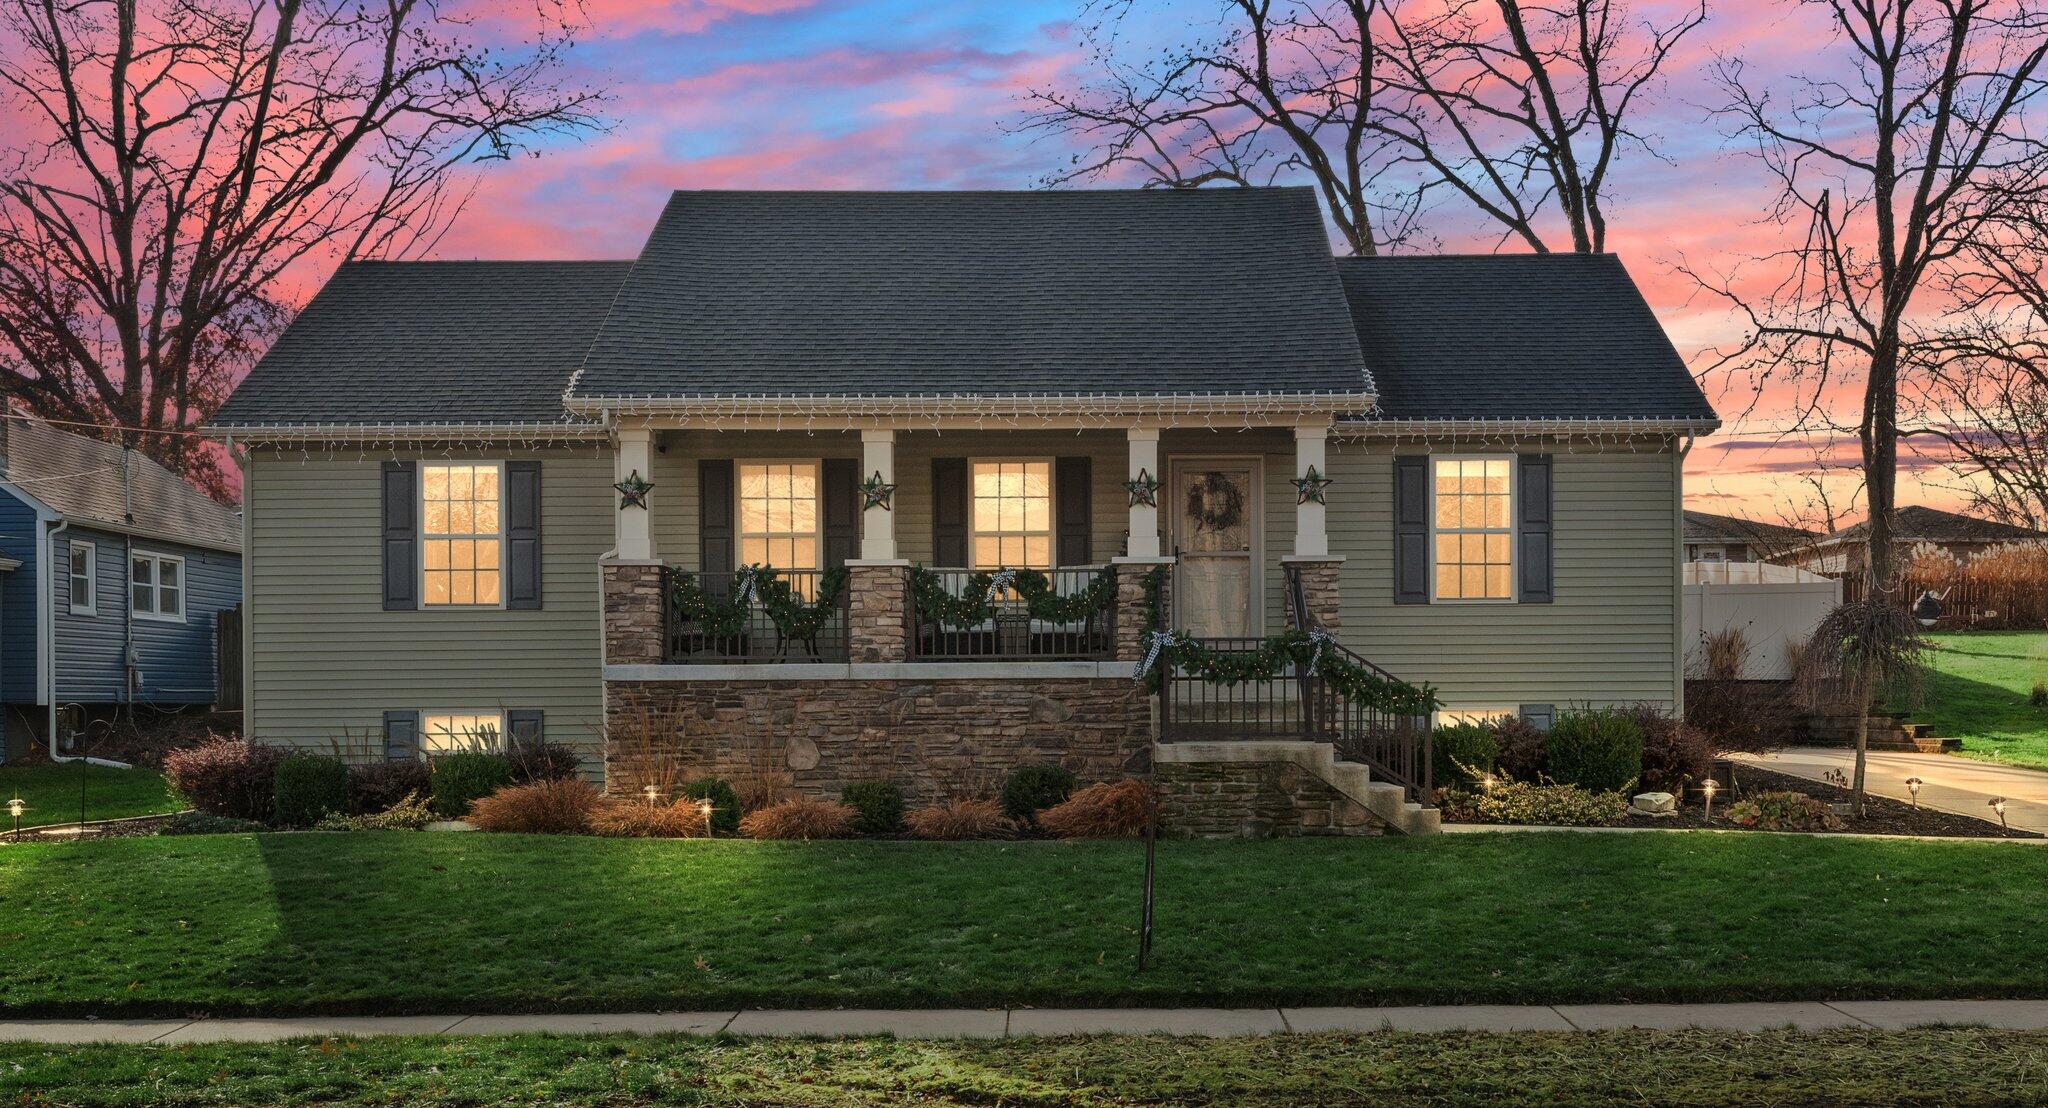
(1012, 634)
(756, 638)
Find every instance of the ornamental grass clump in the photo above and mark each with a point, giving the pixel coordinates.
(960, 820)
(1597, 749)
(800, 817)
(558, 807)
(309, 788)
(1785, 810)
(1111, 810)
(226, 777)
(628, 819)
(879, 803)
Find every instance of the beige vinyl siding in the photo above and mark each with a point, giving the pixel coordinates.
(327, 661)
(1609, 637)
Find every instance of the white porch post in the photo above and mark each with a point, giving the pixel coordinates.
(878, 524)
(635, 525)
(1311, 528)
(1144, 517)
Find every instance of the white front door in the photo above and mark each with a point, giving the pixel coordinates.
(1215, 535)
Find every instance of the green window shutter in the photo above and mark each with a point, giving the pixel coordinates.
(401, 536)
(715, 540)
(522, 535)
(525, 726)
(401, 736)
(1533, 528)
(841, 479)
(1411, 529)
(949, 512)
(1073, 514)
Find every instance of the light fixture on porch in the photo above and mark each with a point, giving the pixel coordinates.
(1913, 786)
(1708, 788)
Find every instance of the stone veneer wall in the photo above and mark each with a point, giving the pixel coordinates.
(634, 622)
(934, 738)
(1319, 589)
(1255, 800)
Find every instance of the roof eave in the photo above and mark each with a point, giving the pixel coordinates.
(1161, 406)
(1438, 428)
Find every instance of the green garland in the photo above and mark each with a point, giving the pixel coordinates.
(936, 605)
(792, 616)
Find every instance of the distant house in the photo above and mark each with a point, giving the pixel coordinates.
(1716, 538)
(1841, 553)
(112, 571)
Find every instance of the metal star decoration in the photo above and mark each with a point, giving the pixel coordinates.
(633, 491)
(875, 493)
(1144, 489)
(1310, 487)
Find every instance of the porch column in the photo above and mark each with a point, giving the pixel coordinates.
(1312, 560)
(635, 532)
(1144, 517)
(878, 524)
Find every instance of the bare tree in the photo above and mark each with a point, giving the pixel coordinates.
(180, 157)
(1518, 109)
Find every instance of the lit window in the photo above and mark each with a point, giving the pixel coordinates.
(779, 514)
(448, 733)
(1449, 717)
(1012, 515)
(1474, 531)
(158, 584)
(84, 561)
(459, 526)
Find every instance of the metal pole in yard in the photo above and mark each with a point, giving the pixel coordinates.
(1151, 838)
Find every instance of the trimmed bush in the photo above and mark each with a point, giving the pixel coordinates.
(560, 806)
(1033, 788)
(1597, 749)
(1519, 751)
(206, 823)
(1463, 752)
(409, 814)
(1675, 753)
(465, 777)
(226, 777)
(380, 786)
(879, 804)
(725, 803)
(1552, 805)
(799, 817)
(960, 820)
(1784, 811)
(1111, 810)
(310, 787)
(625, 819)
(540, 761)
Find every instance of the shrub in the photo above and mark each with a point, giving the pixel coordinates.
(625, 819)
(540, 761)
(227, 777)
(1462, 752)
(1784, 811)
(410, 813)
(879, 803)
(561, 806)
(1675, 753)
(800, 817)
(1519, 749)
(961, 819)
(725, 803)
(1549, 805)
(1597, 749)
(1030, 789)
(2038, 697)
(309, 787)
(206, 823)
(381, 786)
(465, 777)
(1111, 810)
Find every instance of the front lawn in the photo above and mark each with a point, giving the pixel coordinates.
(50, 793)
(416, 922)
(1948, 1067)
(1978, 693)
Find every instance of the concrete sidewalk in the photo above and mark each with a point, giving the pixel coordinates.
(999, 1023)
(1963, 786)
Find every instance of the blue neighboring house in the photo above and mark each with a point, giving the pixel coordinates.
(113, 571)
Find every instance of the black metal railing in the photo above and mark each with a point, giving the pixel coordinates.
(1012, 634)
(756, 638)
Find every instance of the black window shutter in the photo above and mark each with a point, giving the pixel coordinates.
(1534, 528)
(842, 511)
(522, 535)
(1411, 529)
(714, 515)
(949, 512)
(525, 726)
(1539, 716)
(401, 536)
(401, 736)
(1073, 514)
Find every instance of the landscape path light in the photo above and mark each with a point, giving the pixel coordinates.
(14, 808)
(706, 807)
(1998, 805)
(1708, 789)
(1913, 786)
(650, 792)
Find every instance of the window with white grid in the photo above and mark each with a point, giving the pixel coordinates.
(1012, 514)
(1474, 528)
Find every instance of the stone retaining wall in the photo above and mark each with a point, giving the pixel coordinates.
(1255, 800)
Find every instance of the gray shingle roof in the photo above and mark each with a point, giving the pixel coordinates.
(431, 342)
(1919, 523)
(1214, 291)
(80, 479)
(1515, 336)
(1709, 527)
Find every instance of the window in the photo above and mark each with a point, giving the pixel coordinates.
(779, 514)
(1474, 530)
(158, 584)
(460, 528)
(1012, 514)
(84, 575)
(450, 732)
(1448, 717)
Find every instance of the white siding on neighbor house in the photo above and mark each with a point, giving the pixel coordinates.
(327, 660)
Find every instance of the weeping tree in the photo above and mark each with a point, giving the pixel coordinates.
(1862, 652)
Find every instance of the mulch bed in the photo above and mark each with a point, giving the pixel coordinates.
(1882, 815)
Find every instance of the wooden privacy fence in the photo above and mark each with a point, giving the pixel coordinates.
(227, 658)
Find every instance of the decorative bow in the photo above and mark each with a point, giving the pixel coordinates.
(999, 583)
(743, 583)
(1156, 644)
(1319, 638)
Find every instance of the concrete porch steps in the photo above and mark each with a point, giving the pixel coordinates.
(1383, 799)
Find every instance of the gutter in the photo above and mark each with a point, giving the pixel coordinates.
(1044, 405)
(1439, 428)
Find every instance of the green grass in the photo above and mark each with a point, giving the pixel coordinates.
(51, 793)
(419, 922)
(1978, 693)
(1948, 1067)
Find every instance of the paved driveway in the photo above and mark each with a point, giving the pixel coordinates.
(1960, 785)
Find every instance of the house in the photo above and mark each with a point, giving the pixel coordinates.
(523, 498)
(1841, 554)
(113, 571)
(1718, 538)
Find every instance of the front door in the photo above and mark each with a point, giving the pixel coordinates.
(1215, 525)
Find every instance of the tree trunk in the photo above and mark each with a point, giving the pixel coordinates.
(1880, 441)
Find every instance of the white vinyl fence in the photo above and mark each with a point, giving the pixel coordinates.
(1773, 605)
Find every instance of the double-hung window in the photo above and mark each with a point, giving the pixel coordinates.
(84, 576)
(1473, 528)
(1012, 513)
(461, 529)
(157, 582)
(452, 732)
(779, 514)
